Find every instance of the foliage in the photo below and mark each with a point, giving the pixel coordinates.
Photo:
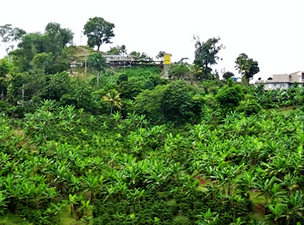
(179, 71)
(98, 31)
(206, 55)
(98, 63)
(161, 55)
(249, 106)
(57, 85)
(149, 102)
(9, 35)
(117, 50)
(229, 97)
(141, 56)
(179, 102)
(175, 153)
(246, 66)
(228, 75)
(43, 51)
(6, 68)
(113, 98)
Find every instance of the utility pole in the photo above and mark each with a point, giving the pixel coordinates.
(85, 67)
(80, 37)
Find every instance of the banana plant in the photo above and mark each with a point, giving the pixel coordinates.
(265, 187)
(83, 209)
(92, 183)
(277, 212)
(75, 203)
(208, 218)
(3, 203)
(295, 204)
(246, 182)
(238, 222)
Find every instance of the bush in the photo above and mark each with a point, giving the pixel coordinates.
(229, 97)
(249, 106)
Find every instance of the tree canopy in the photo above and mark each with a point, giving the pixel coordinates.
(47, 49)
(206, 55)
(8, 34)
(98, 31)
(246, 66)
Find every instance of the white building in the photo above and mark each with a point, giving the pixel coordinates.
(283, 81)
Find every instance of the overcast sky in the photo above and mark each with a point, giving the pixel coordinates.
(269, 31)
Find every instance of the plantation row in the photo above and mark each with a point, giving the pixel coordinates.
(137, 173)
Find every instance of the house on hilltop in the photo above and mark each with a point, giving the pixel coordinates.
(283, 81)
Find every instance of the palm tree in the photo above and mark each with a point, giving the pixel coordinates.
(113, 97)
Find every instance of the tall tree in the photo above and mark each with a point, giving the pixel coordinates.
(57, 37)
(5, 68)
(246, 66)
(98, 32)
(206, 55)
(9, 34)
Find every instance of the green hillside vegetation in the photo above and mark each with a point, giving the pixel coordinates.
(125, 146)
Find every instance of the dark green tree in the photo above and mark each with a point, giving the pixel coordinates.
(149, 102)
(98, 32)
(42, 61)
(179, 103)
(31, 44)
(51, 43)
(98, 63)
(57, 85)
(160, 55)
(5, 68)
(117, 50)
(246, 66)
(135, 54)
(229, 97)
(228, 75)
(56, 40)
(180, 71)
(206, 55)
(145, 57)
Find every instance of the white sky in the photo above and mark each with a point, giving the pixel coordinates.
(269, 31)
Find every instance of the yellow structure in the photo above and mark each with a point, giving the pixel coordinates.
(167, 59)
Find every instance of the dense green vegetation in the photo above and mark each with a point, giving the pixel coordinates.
(128, 147)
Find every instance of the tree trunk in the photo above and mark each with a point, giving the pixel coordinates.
(266, 201)
(229, 189)
(1, 92)
(92, 196)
